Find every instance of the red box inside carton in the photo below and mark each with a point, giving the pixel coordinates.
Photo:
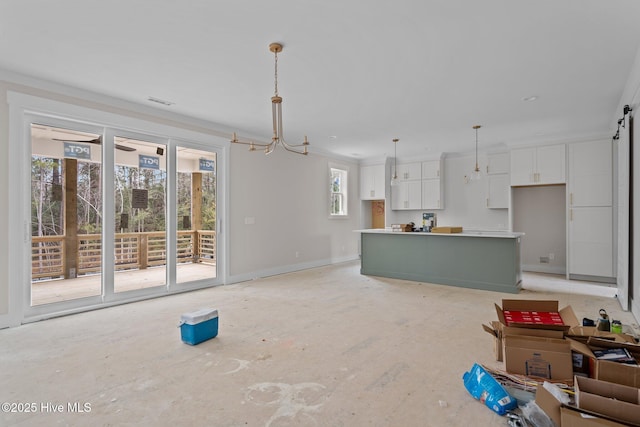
(536, 314)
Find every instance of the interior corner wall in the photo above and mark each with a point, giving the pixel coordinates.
(540, 213)
(279, 213)
(4, 202)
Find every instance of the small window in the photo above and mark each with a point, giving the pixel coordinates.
(338, 192)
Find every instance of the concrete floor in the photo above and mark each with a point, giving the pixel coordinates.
(321, 347)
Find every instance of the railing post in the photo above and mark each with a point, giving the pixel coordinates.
(143, 250)
(70, 218)
(196, 212)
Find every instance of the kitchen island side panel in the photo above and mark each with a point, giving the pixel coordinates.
(488, 263)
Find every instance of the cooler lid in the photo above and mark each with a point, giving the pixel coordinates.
(198, 316)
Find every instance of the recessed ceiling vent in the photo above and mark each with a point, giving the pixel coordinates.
(160, 101)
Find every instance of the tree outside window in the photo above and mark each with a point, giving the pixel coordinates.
(338, 192)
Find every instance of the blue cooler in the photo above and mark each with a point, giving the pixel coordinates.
(199, 325)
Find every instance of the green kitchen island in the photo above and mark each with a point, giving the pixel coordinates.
(480, 260)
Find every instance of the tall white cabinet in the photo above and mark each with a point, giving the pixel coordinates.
(590, 194)
(372, 182)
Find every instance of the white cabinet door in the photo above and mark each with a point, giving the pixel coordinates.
(538, 165)
(372, 182)
(498, 163)
(406, 195)
(551, 161)
(409, 171)
(431, 194)
(498, 192)
(591, 174)
(431, 169)
(591, 241)
(522, 166)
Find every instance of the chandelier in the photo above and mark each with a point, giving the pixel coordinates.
(276, 113)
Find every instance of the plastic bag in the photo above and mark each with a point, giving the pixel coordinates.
(536, 416)
(482, 386)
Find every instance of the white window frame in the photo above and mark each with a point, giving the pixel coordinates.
(23, 107)
(342, 192)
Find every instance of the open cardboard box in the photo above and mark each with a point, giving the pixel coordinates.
(570, 416)
(614, 372)
(615, 401)
(539, 357)
(499, 331)
(545, 306)
(583, 333)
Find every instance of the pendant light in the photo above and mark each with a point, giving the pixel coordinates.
(276, 115)
(394, 179)
(476, 174)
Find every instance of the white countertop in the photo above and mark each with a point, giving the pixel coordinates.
(500, 234)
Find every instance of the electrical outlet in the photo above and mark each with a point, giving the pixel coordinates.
(552, 256)
(297, 254)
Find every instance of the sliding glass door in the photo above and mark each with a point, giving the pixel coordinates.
(116, 215)
(66, 214)
(196, 184)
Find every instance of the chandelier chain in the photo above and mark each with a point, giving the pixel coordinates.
(276, 73)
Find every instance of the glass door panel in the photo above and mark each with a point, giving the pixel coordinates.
(140, 191)
(66, 220)
(196, 188)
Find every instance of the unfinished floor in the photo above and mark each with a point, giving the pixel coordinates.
(320, 347)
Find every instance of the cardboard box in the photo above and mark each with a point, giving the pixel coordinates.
(568, 316)
(199, 326)
(618, 402)
(570, 417)
(583, 333)
(446, 230)
(539, 357)
(499, 331)
(618, 373)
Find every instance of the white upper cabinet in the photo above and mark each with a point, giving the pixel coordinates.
(409, 171)
(498, 191)
(431, 194)
(431, 169)
(372, 182)
(538, 165)
(591, 174)
(498, 184)
(432, 185)
(498, 163)
(406, 195)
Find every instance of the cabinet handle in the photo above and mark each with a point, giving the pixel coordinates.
(487, 168)
(571, 199)
(438, 173)
(487, 202)
(570, 214)
(373, 193)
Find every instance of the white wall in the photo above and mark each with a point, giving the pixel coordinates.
(4, 203)
(464, 202)
(539, 212)
(286, 194)
(279, 213)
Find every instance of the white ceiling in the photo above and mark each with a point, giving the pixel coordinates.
(353, 74)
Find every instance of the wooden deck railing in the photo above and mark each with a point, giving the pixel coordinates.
(132, 251)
